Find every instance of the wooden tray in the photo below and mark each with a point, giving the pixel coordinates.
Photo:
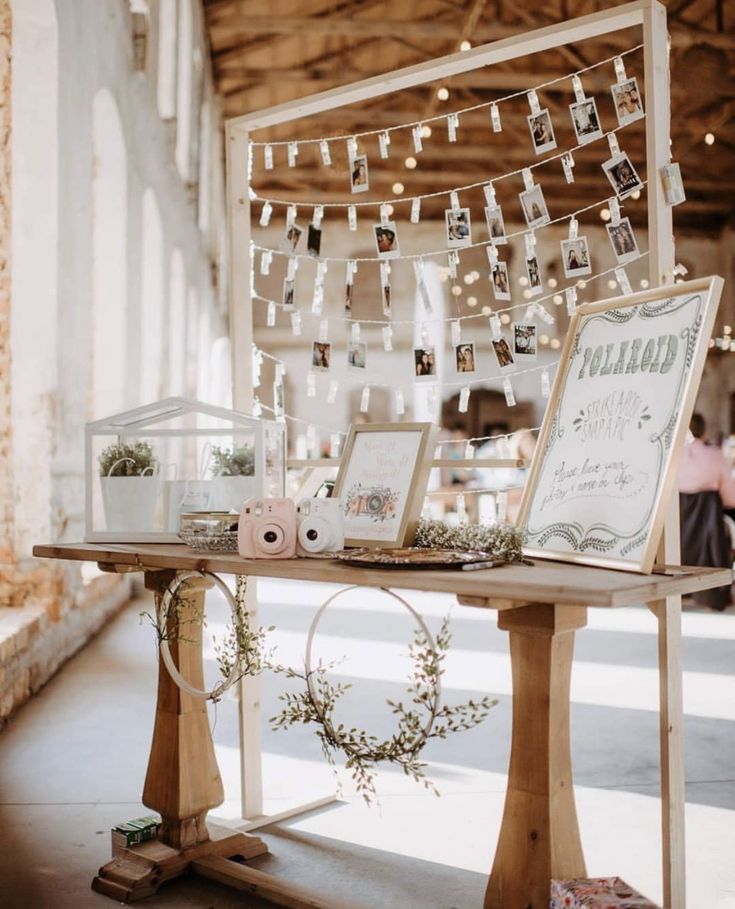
(417, 558)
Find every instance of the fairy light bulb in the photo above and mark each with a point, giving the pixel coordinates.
(605, 214)
(426, 132)
(410, 162)
(472, 301)
(398, 188)
(505, 318)
(709, 138)
(443, 94)
(465, 45)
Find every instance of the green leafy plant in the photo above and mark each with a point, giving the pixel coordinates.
(422, 719)
(127, 460)
(228, 462)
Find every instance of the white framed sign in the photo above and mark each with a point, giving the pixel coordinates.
(606, 460)
(382, 482)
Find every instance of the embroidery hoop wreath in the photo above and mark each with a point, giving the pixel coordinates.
(363, 751)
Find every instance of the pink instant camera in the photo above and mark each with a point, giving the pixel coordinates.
(267, 529)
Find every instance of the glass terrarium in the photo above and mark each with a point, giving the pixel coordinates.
(145, 467)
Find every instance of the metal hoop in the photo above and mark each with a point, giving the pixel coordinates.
(426, 729)
(162, 614)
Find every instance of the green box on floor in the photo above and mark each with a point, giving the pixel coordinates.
(130, 833)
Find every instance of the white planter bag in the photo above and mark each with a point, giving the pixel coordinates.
(130, 502)
(228, 493)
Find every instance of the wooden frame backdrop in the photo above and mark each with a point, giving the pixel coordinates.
(419, 477)
(650, 16)
(712, 288)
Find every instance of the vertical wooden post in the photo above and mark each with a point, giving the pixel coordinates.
(241, 337)
(667, 612)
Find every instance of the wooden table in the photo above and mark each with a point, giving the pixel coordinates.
(541, 606)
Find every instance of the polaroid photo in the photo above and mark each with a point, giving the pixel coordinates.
(525, 341)
(623, 241)
(321, 355)
(289, 288)
(495, 225)
(534, 206)
(465, 354)
(357, 355)
(542, 132)
(314, 241)
(622, 175)
(349, 296)
(575, 256)
(627, 101)
(459, 229)
(386, 240)
(387, 304)
(359, 180)
(586, 121)
(501, 281)
(291, 239)
(503, 353)
(533, 270)
(424, 359)
(278, 399)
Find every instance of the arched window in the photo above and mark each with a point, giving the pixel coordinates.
(167, 59)
(177, 325)
(192, 343)
(109, 258)
(153, 301)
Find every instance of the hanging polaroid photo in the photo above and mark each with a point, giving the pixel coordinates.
(525, 342)
(495, 225)
(586, 121)
(386, 240)
(501, 281)
(359, 182)
(503, 353)
(623, 241)
(314, 241)
(533, 271)
(459, 230)
(289, 288)
(386, 299)
(349, 295)
(357, 355)
(321, 356)
(534, 206)
(424, 362)
(575, 256)
(542, 132)
(465, 354)
(627, 101)
(622, 175)
(278, 399)
(291, 240)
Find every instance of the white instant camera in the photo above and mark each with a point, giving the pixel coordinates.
(320, 526)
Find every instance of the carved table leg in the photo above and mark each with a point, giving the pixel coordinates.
(183, 781)
(539, 837)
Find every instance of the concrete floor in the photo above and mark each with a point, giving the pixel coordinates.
(73, 761)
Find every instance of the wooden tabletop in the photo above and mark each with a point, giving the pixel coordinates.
(542, 582)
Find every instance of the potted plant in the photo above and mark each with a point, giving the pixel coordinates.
(130, 485)
(233, 470)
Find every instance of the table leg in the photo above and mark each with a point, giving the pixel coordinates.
(539, 837)
(183, 781)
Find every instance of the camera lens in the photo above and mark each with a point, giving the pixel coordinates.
(312, 534)
(270, 536)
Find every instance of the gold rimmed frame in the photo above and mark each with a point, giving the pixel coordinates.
(596, 541)
(412, 491)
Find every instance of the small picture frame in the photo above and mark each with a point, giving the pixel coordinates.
(533, 270)
(289, 290)
(622, 175)
(357, 355)
(291, 238)
(381, 484)
(424, 359)
(459, 227)
(314, 241)
(542, 131)
(627, 101)
(359, 177)
(321, 356)
(495, 225)
(349, 297)
(525, 341)
(503, 353)
(534, 206)
(465, 357)
(386, 240)
(623, 241)
(586, 121)
(500, 281)
(575, 257)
